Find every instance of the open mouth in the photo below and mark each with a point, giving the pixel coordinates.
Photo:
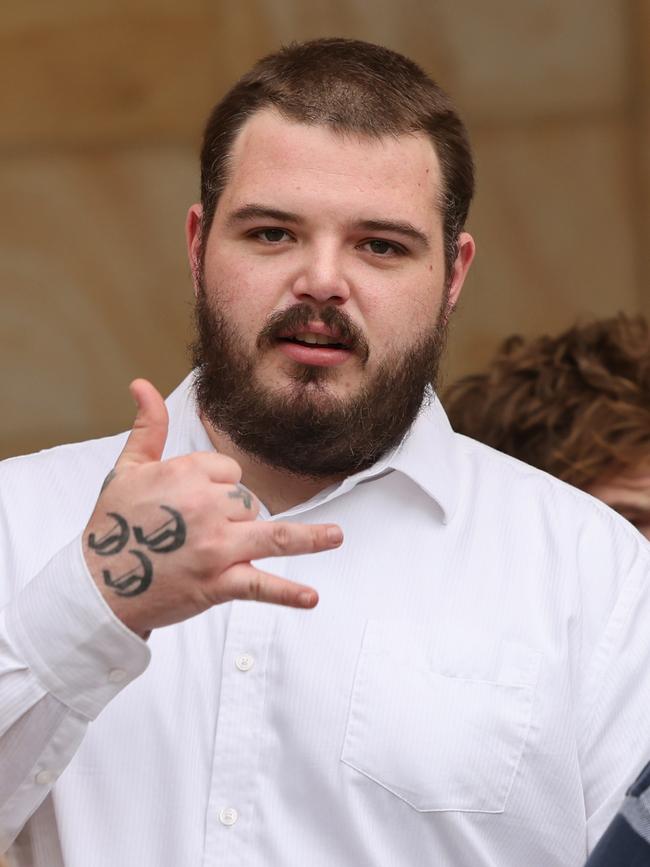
(315, 348)
(314, 340)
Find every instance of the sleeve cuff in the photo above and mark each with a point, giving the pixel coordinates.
(69, 637)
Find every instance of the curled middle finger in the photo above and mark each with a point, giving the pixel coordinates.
(239, 503)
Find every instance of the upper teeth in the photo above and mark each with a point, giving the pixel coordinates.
(314, 338)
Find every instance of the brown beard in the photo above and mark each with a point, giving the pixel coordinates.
(304, 429)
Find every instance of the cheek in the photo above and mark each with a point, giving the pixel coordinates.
(403, 313)
(246, 281)
(233, 289)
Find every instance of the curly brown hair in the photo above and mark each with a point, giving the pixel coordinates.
(576, 405)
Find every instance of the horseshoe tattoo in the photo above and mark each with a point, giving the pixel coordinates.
(240, 493)
(133, 582)
(114, 540)
(168, 536)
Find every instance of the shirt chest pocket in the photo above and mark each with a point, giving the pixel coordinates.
(439, 740)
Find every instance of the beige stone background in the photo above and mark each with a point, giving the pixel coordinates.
(102, 104)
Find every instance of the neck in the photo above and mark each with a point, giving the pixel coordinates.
(277, 489)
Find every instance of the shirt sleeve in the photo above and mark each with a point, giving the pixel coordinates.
(614, 727)
(63, 656)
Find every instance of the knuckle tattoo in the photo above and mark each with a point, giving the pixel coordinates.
(239, 492)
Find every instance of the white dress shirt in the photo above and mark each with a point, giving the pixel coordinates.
(473, 687)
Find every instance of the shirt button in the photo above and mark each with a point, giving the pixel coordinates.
(228, 816)
(44, 778)
(245, 661)
(116, 675)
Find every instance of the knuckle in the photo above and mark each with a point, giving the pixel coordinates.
(255, 587)
(281, 536)
(217, 548)
(212, 542)
(318, 538)
(203, 544)
(175, 465)
(229, 468)
(174, 471)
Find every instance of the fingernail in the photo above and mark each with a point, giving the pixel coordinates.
(307, 600)
(334, 535)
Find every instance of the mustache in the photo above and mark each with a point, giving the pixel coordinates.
(300, 315)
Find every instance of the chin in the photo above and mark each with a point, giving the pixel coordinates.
(309, 378)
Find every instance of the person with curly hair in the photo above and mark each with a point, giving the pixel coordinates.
(576, 405)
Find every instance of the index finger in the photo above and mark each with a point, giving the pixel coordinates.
(255, 540)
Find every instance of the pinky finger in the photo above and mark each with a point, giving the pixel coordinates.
(246, 582)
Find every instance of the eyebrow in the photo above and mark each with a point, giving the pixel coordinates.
(399, 228)
(260, 212)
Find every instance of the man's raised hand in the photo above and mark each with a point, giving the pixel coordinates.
(168, 539)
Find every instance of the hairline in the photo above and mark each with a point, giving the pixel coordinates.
(339, 131)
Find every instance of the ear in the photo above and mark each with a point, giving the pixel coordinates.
(464, 257)
(194, 241)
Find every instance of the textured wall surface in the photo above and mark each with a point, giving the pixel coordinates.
(102, 105)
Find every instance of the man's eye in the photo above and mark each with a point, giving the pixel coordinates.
(383, 248)
(271, 236)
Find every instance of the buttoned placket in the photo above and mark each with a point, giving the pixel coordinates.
(231, 813)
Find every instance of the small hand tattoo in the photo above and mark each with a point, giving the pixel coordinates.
(240, 493)
(109, 478)
(169, 536)
(134, 581)
(114, 540)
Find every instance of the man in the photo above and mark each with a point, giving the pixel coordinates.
(443, 702)
(576, 405)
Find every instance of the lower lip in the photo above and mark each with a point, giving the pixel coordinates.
(319, 355)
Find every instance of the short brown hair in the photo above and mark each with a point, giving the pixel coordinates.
(576, 405)
(351, 87)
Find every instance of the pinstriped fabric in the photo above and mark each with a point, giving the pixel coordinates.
(19, 692)
(471, 689)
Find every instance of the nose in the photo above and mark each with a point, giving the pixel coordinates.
(321, 278)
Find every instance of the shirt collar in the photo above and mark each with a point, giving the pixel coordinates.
(428, 454)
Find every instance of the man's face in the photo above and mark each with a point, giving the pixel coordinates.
(324, 263)
(629, 494)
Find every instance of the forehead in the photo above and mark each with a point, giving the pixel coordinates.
(291, 164)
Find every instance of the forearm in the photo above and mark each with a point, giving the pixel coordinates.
(63, 657)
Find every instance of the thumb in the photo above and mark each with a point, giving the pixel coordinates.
(147, 438)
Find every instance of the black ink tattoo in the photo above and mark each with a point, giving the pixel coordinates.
(114, 540)
(166, 537)
(241, 494)
(169, 536)
(109, 478)
(133, 582)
